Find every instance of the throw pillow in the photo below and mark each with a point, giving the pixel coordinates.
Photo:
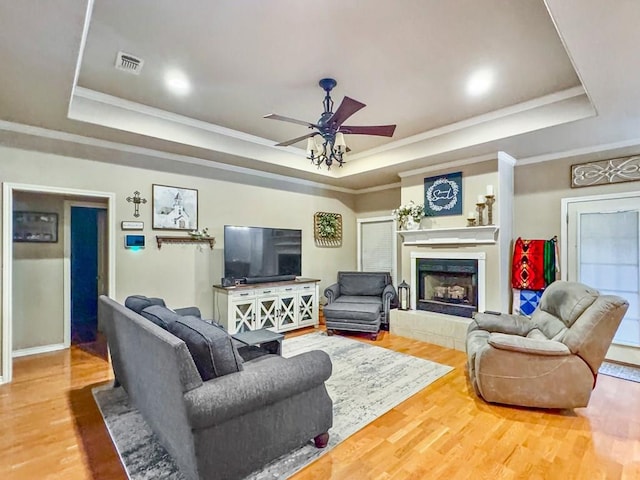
(211, 347)
(371, 284)
(137, 303)
(161, 316)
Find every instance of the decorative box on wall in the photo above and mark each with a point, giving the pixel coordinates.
(327, 229)
(280, 306)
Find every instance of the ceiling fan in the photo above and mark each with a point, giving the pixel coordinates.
(326, 143)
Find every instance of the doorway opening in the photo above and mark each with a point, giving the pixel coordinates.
(88, 263)
(57, 333)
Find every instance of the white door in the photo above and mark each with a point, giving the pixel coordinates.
(603, 251)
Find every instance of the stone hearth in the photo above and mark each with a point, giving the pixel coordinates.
(444, 330)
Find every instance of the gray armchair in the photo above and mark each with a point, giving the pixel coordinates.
(360, 302)
(550, 360)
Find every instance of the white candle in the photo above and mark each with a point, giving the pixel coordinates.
(480, 198)
(471, 215)
(489, 189)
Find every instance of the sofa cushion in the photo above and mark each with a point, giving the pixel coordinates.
(362, 283)
(359, 299)
(161, 316)
(352, 311)
(212, 349)
(137, 303)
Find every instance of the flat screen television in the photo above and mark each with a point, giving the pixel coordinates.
(257, 253)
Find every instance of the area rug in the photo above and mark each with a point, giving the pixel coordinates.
(625, 372)
(367, 381)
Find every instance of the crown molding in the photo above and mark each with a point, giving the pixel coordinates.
(121, 103)
(456, 163)
(635, 142)
(94, 142)
(480, 119)
(378, 188)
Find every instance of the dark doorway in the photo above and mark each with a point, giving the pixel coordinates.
(84, 274)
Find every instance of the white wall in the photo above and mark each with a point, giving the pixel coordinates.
(37, 280)
(183, 273)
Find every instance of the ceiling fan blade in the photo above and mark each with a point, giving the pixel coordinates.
(275, 116)
(380, 130)
(296, 140)
(348, 107)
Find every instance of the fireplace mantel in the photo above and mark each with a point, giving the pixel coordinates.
(486, 234)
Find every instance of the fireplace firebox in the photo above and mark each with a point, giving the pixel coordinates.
(447, 286)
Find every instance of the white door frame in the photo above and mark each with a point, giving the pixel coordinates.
(394, 245)
(564, 228)
(67, 261)
(7, 256)
(616, 352)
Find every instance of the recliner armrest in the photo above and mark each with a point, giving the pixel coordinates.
(266, 382)
(332, 292)
(503, 323)
(517, 343)
(192, 311)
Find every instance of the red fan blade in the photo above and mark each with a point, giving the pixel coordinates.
(380, 130)
(348, 107)
(275, 116)
(296, 140)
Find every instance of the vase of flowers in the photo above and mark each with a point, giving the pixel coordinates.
(409, 215)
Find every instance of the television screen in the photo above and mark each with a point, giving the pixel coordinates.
(261, 252)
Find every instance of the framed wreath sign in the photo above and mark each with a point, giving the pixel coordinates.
(443, 195)
(327, 229)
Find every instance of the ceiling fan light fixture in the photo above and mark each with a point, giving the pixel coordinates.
(312, 148)
(340, 145)
(326, 144)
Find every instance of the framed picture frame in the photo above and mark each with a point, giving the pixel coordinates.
(327, 229)
(35, 227)
(443, 195)
(174, 208)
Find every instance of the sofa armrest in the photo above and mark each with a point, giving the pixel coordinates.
(502, 323)
(268, 381)
(388, 294)
(332, 292)
(517, 343)
(191, 311)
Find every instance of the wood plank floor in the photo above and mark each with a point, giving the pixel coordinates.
(50, 428)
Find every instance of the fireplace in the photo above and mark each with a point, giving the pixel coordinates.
(451, 283)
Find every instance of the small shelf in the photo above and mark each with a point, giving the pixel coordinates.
(485, 234)
(161, 239)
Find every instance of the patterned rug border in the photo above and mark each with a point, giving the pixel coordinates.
(289, 464)
(618, 370)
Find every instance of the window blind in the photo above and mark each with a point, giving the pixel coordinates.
(377, 253)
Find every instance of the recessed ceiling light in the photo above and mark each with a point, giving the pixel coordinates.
(177, 82)
(479, 82)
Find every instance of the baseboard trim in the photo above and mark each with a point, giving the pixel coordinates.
(36, 350)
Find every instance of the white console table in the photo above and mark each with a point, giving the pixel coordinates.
(277, 306)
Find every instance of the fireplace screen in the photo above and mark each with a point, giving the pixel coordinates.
(447, 286)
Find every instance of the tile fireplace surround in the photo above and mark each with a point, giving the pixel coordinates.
(437, 328)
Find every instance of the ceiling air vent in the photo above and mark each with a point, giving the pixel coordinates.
(128, 63)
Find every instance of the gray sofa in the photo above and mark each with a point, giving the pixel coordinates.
(359, 302)
(225, 427)
(550, 360)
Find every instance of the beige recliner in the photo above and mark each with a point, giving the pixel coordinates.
(549, 360)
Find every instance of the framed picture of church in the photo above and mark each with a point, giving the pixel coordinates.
(174, 208)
